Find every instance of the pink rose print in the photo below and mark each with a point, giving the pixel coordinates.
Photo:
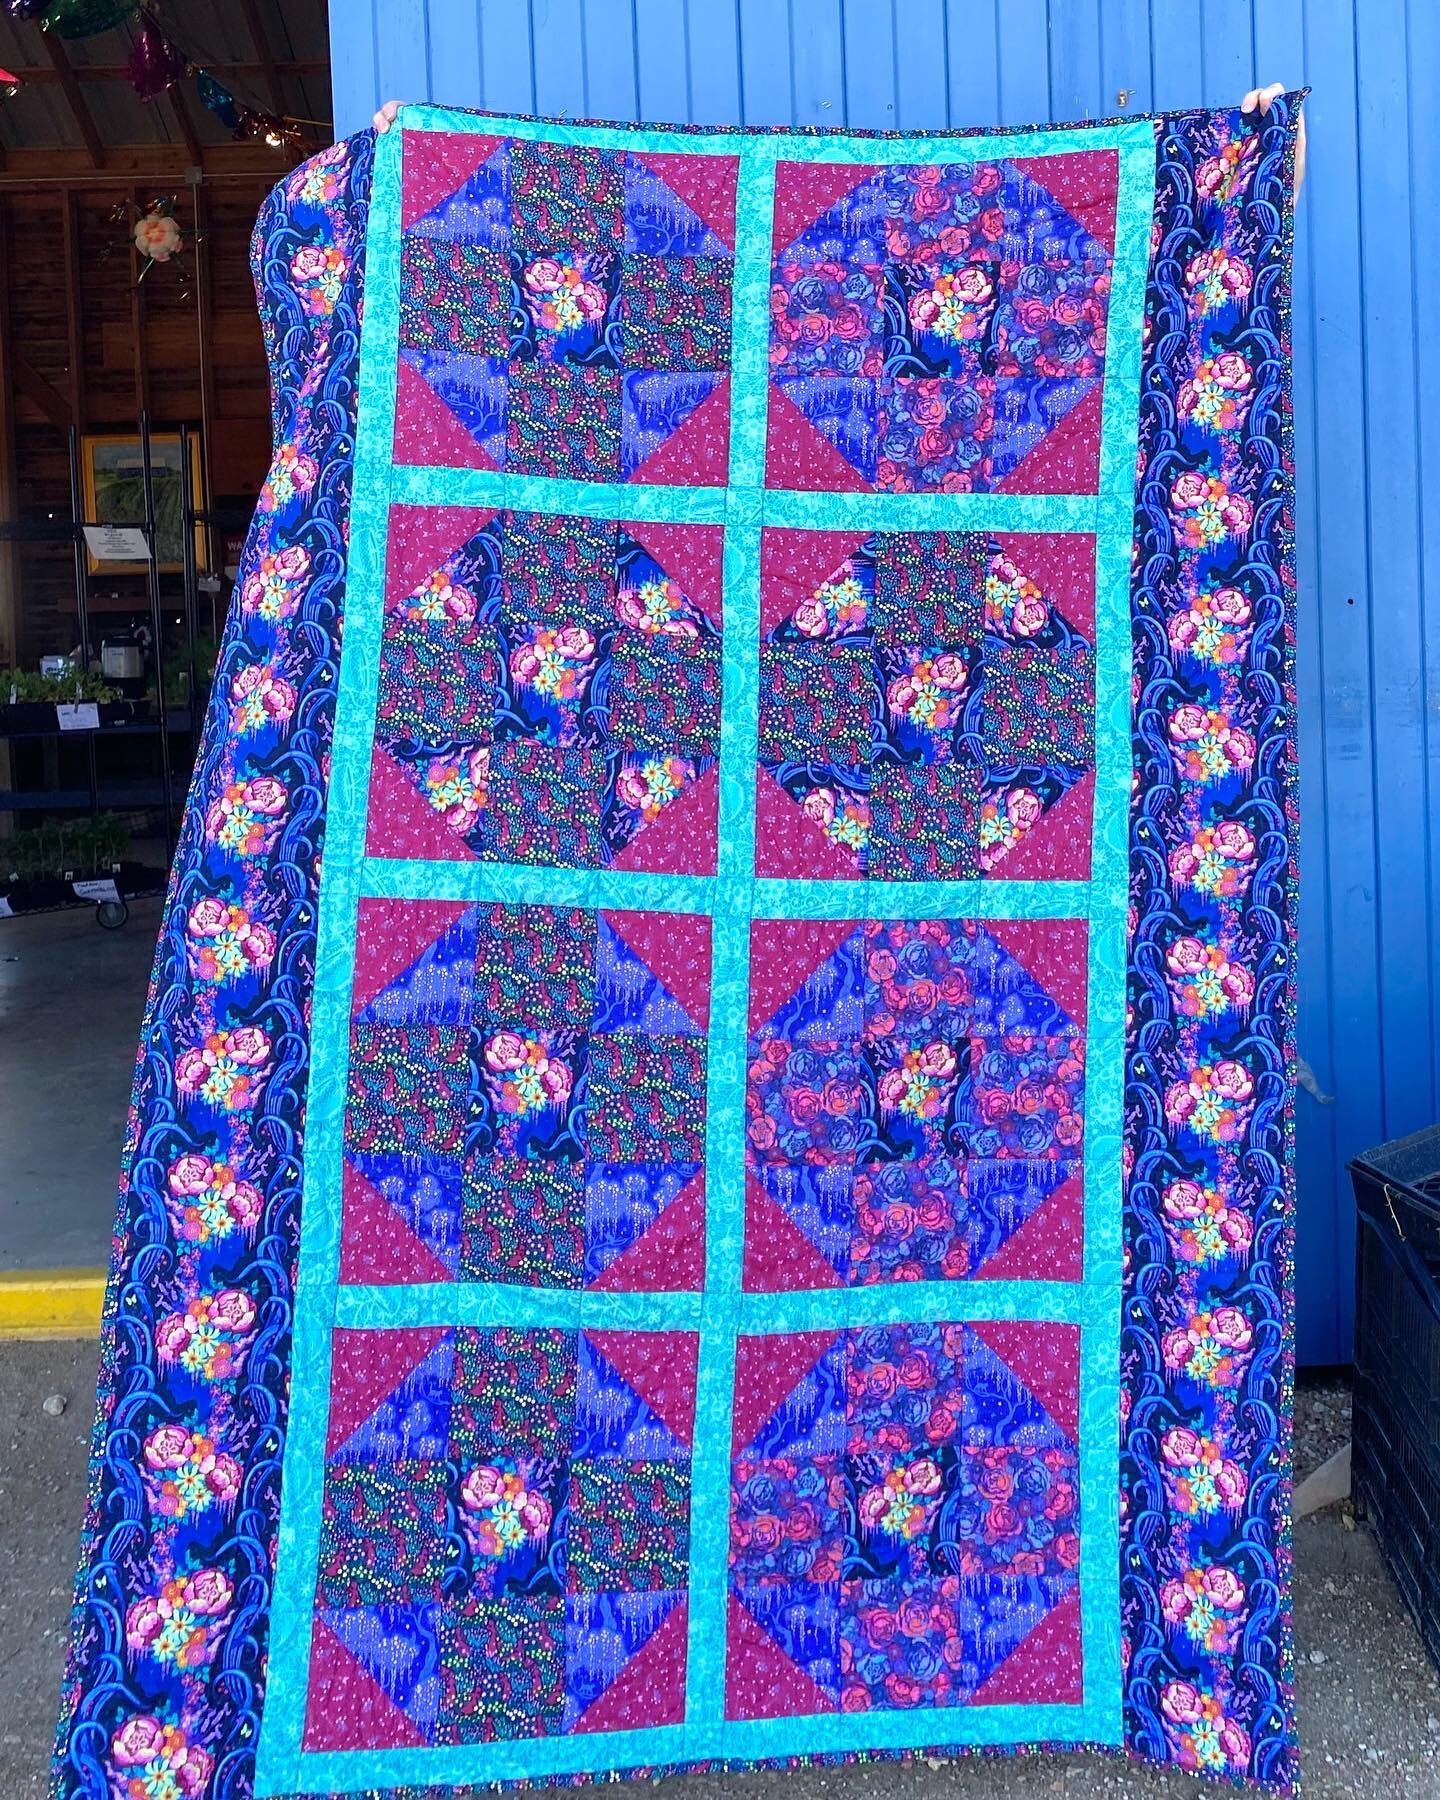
(228, 1070)
(224, 943)
(209, 1200)
(163, 1760)
(261, 697)
(182, 1624)
(502, 1509)
(274, 587)
(186, 1473)
(245, 818)
(439, 600)
(526, 1076)
(1215, 629)
(457, 786)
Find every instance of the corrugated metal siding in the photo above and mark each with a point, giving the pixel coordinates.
(1370, 649)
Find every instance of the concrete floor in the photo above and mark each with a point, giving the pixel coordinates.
(1369, 1699)
(70, 1002)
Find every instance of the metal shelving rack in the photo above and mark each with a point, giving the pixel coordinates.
(110, 892)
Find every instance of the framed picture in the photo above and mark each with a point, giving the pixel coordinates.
(112, 472)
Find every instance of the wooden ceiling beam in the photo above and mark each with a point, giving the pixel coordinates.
(237, 71)
(180, 107)
(39, 391)
(256, 27)
(74, 98)
(32, 168)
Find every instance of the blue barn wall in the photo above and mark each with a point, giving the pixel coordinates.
(1369, 647)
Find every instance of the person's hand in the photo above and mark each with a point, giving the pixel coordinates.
(385, 118)
(1260, 100)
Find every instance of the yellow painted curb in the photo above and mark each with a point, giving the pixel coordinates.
(51, 1302)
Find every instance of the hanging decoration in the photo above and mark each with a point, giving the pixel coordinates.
(84, 18)
(154, 64)
(157, 233)
(218, 99)
(272, 129)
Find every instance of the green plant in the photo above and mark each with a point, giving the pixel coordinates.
(75, 684)
(83, 847)
(177, 672)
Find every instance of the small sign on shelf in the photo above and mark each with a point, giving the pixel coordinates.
(80, 715)
(116, 543)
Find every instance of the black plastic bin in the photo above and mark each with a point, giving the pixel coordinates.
(1396, 1430)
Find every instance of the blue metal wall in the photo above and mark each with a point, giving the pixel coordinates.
(1370, 623)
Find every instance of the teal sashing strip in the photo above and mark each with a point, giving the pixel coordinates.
(414, 486)
(1109, 882)
(278, 1756)
(773, 898)
(731, 898)
(730, 966)
(775, 146)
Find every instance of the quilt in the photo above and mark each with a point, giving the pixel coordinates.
(709, 1180)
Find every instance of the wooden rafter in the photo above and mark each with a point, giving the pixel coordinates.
(74, 98)
(38, 390)
(255, 26)
(233, 71)
(74, 330)
(180, 107)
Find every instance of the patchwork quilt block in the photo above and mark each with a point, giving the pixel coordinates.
(709, 1179)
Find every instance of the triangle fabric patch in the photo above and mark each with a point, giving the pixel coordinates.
(1062, 566)
(427, 431)
(1066, 460)
(346, 1708)
(807, 458)
(423, 539)
(1085, 182)
(1045, 1358)
(806, 191)
(693, 555)
(661, 1367)
(761, 1681)
(706, 184)
(785, 955)
(1054, 951)
(400, 823)
(377, 1245)
(1057, 845)
(684, 840)
(1048, 1663)
(788, 843)
(650, 1688)
(366, 1365)
(1049, 1245)
(669, 1256)
(766, 1371)
(675, 947)
(391, 936)
(779, 1258)
(697, 452)
(433, 165)
(794, 563)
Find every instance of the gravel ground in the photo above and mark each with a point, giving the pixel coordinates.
(1369, 1699)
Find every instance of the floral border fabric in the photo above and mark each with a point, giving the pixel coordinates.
(165, 1679)
(1207, 1346)
(165, 1683)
